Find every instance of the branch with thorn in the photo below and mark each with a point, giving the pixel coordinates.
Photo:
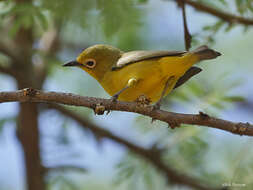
(230, 18)
(173, 119)
(187, 35)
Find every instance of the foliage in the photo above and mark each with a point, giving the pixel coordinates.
(243, 7)
(207, 97)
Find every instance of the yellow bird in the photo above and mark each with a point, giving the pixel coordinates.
(128, 75)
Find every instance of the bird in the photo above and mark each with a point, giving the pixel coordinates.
(128, 75)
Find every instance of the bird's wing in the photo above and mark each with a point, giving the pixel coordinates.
(135, 56)
(188, 74)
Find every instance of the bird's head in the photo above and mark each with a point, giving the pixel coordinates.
(97, 60)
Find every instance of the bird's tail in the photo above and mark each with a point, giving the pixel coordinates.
(205, 53)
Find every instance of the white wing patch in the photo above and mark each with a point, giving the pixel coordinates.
(134, 56)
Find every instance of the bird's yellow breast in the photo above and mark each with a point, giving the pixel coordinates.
(151, 76)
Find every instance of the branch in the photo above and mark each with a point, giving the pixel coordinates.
(173, 119)
(6, 51)
(10, 51)
(4, 70)
(153, 155)
(12, 72)
(218, 13)
(7, 70)
(187, 35)
(100, 105)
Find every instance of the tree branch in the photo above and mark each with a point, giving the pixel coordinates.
(8, 52)
(218, 13)
(153, 155)
(4, 70)
(7, 70)
(100, 105)
(187, 35)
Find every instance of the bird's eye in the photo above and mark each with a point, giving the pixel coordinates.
(90, 63)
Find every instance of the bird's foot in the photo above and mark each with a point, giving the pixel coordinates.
(157, 106)
(143, 101)
(99, 109)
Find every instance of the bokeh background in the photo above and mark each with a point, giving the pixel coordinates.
(223, 89)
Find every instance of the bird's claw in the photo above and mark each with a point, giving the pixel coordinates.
(156, 106)
(99, 109)
(143, 101)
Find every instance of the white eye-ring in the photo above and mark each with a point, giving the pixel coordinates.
(90, 63)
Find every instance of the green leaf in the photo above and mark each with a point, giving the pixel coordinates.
(196, 88)
(15, 27)
(234, 98)
(229, 27)
(239, 6)
(42, 20)
(224, 2)
(142, 1)
(207, 28)
(182, 95)
(218, 105)
(218, 25)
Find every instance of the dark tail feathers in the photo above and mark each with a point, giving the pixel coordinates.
(205, 53)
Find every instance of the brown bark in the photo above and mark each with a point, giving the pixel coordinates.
(100, 105)
(28, 134)
(230, 18)
(28, 131)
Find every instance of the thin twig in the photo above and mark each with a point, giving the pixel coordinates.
(152, 155)
(187, 35)
(100, 105)
(219, 13)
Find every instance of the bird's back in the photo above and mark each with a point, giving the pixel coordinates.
(151, 75)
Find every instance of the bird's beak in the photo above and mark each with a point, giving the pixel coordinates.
(72, 63)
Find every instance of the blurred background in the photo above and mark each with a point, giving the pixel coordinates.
(38, 36)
